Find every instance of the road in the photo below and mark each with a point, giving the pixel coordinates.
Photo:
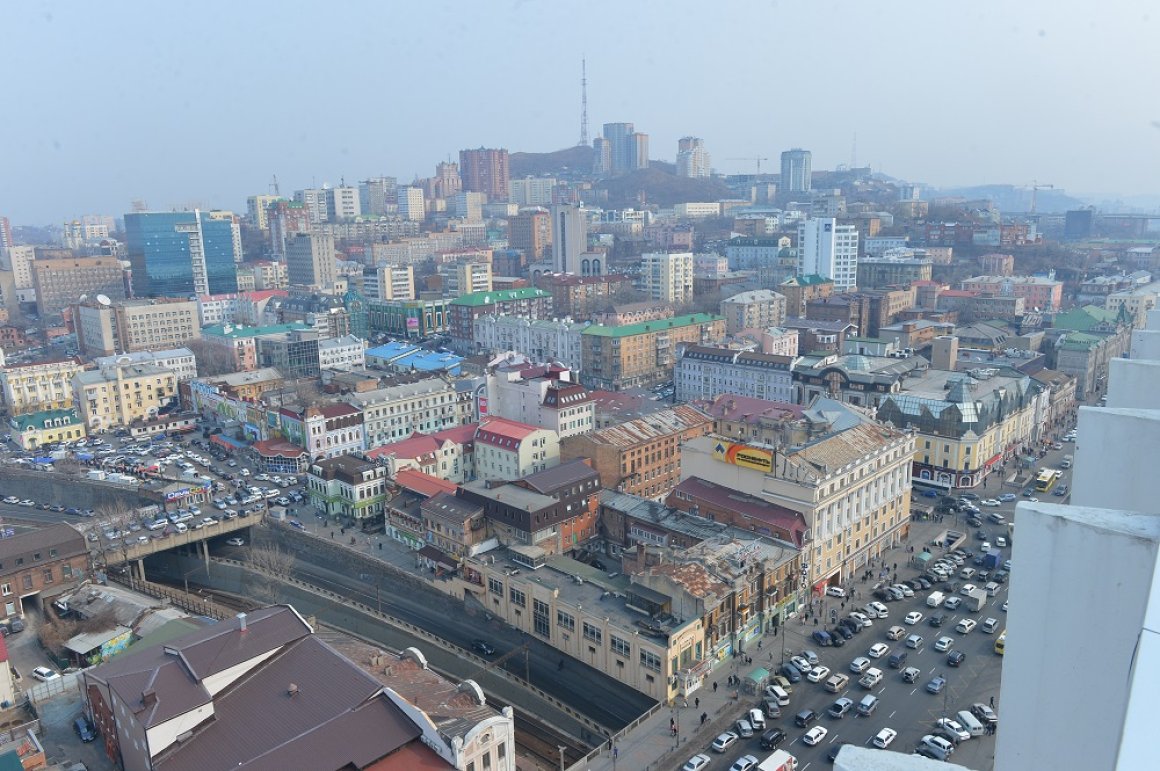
(586, 690)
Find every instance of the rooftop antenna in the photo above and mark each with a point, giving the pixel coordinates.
(584, 102)
(274, 186)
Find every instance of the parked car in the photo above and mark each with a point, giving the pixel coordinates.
(696, 763)
(482, 647)
(936, 684)
(724, 741)
(44, 674)
(884, 737)
(814, 736)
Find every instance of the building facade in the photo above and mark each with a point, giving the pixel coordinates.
(129, 326)
(667, 277)
(703, 372)
(643, 354)
(347, 487)
(310, 260)
(59, 282)
(463, 311)
(893, 270)
(122, 394)
(181, 361)
(540, 398)
(508, 449)
(179, 254)
(485, 170)
(543, 340)
(796, 171)
(396, 412)
(755, 309)
(828, 249)
(39, 565)
(46, 385)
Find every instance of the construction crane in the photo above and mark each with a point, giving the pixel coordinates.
(751, 158)
(1035, 188)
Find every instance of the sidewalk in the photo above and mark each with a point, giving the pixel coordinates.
(651, 745)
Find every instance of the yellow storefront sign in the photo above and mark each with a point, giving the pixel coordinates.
(743, 455)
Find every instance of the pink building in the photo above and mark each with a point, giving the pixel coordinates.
(1042, 293)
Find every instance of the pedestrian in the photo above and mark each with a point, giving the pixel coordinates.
(815, 620)
(332, 535)
(704, 717)
(697, 702)
(714, 686)
(992, 702)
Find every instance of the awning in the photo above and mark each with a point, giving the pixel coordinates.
(993, 461)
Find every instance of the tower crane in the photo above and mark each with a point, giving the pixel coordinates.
(758, 159)
(1035, 188)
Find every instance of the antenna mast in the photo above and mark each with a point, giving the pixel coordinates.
(584, 102)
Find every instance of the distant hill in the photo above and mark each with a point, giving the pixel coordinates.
(656, 186)
(540, 164)
(1009, 198)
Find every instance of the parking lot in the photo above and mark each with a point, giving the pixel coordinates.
(907, 708)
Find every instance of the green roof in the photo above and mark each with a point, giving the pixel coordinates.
(1085, 318)
(478, 299)
(1080, 341)
(809, 280)
(625, 330)
(236, 331)
(38, 419)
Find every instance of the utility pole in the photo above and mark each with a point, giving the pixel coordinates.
(561, 748)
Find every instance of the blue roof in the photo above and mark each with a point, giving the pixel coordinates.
(392, 350)
(429, 361)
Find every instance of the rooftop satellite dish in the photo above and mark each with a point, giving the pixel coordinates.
(84, 297)
(104, 300)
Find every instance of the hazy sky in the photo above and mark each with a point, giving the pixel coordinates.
(202, 102)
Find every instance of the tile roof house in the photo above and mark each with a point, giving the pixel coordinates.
(257, 693)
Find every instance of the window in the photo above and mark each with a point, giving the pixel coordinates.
(565, 621)
(518, 597)
(540, 616)
(650, 660)
(48, 575)
(27, 580)
(620, 647)
(5, 589)
(592, 633)
(495, 586)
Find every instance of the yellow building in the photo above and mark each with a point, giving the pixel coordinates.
(36, 429)
(35, 387)
(614, 358)
(119, 395)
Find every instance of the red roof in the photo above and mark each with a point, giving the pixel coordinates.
(748, 409)
(278, 448)
(502, 432)
(424, 484)
(695, 488)
(418, 444)
(338, 410)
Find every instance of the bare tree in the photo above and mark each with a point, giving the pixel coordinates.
(69, 467)
(271, 567)
(211, 359)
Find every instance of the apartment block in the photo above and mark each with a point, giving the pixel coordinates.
(508, 449)
(328, 431)
(541, 396)
(542, 340)
(462, 312)
(703, 372)
(398, 411)
(531, 232)
(756, 309)
(45, 385)
(388, 282)
(59, 282)
(465, 277)
(129, 326)
(635, 355)
(119, 395)
(578, 297)
(181, 361)
(667, 277)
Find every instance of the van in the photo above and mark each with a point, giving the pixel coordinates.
(837, 683)
(970, 723)
(990, 625)
(778, 693)
(967, 573)
(939, 747)
(1066, 462)
(897, 660)
(867, 706)
(935, 599)
(992, 588)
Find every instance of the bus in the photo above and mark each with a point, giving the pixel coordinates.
(1001, 642)
(1047, 479)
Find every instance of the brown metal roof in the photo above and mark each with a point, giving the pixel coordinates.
(65, 539)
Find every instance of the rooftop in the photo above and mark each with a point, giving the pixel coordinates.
(496, 430)
(754, 296)
(423, 484)
(237, 331)
(749, 506)
(236, 379)
(418, 445)
(748, 409)
(479, 299)
(31, 420)
(659, 325)
(510, 495)
(569, 472)
(649, 427)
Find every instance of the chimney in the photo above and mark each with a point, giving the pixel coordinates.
(149, 698)
(242, 623)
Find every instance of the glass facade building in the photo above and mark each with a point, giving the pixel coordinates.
(179, 254)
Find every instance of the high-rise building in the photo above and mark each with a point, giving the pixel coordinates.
(377, 196)
(342, 203)
(485, 171)
(828, 249)
(285, 219)
(5, 233)
(531, 191)
(235, 228)
(638, 151)
(601, 156)
(446, 181)
(177, 254)
(257, 210)
(388, 282)
(531, 231)
(692, 158)
(310, 259)
(468, 205)
(18, 259)
(618, 136)
(465, 277)
(795, 171)
(60, 282)
(569, 238)
(411, 205)
(667, 277)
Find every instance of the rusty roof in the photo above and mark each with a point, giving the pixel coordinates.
(650, 427)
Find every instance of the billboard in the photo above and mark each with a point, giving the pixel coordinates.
(743, 455)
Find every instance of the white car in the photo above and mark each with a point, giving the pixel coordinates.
(818, 674)
(883, 738)
(914, 641)
(967, 589)
(802, 665)
(878, 650)
(883, 611)
(906, 590)
(744, 763)
(861, 619)
(236, 542)
(913, 617)
(696, 763)
(815, 735)
(992, 502)
(44, 674)
(944, 644)
(952, 730)
(725, 741)
(835, 591)
(859, 665)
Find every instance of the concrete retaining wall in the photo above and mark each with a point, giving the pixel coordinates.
(51, 487)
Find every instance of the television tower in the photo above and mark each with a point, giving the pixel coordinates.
(584, 102)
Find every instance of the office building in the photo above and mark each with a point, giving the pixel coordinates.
(796, 172)
(411, 203)
(467, 206)
(615, 358)
(531, 191)
(702, 372)
(342, 203)
(667, 278)
(485, 171)
(692, 158)
(465, 277)
(45, 385)
(389, 282)
(376, 196)
(755, 309)
(531, 232)
(62, 281)
(127, 326)
(569, 240)
(257, 210)
(642, 456)
(178, 254)
(828, 249)
(119, 395)
(310, 260)
(899, 267)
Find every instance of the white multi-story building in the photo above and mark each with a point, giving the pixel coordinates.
(396, 412)
(828, 249)
(569, 239)
(460, 278)
(667, 277)
(541, 398)
(217, 309)
(695, 210)
(342, 203)
(508, 449)
(531, 191)
(545, 340)
(702, 372)
(346, 352)
(411, 204)
(692, 158)
(388, 282)
(46, 385)
(18, 259)
(180, 361)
